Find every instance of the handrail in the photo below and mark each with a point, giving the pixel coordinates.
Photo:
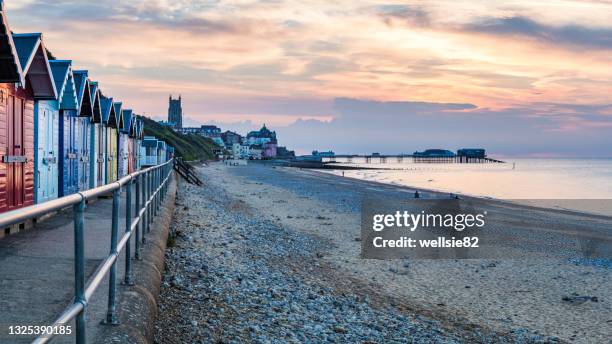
(151, 186)
(23, 214)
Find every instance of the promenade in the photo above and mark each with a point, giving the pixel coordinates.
(37, 273)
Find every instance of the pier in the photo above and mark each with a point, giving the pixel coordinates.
(401, 158)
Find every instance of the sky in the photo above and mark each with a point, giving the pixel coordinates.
(519, 78)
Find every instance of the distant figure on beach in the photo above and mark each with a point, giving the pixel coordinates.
(416, 194)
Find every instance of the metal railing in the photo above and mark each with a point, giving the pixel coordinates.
(151, 186)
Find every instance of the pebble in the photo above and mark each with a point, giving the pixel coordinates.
(251, 280)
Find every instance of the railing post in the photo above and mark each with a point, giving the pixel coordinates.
(128, 224)
(111, 314)
(149, 197)
(139, 225)
(155, 185)
(79, 269)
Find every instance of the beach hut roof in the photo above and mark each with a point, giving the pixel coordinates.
(94, 96)
(119, 114)
(149, 141)
(10, 67)
(136, 121)
(108, 112)
(140, 129)
(127, 121)
(134, 126)
(35, 64)
(64, 83)
(81, 81)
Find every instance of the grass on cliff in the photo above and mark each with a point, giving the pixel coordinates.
(190, 147)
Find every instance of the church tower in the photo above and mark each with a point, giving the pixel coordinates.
(175, 112)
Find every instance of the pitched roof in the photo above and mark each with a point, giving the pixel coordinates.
(127, 121)
(35, 64)
(108, 112)
(140, 129)
(64, 83)
(81, 82)
(135, 121)
(10, 67)
(118, 114)
(94, 96)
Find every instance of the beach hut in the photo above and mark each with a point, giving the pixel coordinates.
(85, 131)
(130, 124)
(161, 152)
(107, 114)
(123, 142)
(69, 153)
(37, 71)
(110, 121)
(102, 130)
(148, 151)
(16, 126)
(138, 135)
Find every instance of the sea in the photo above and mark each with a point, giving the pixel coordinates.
(516, 179)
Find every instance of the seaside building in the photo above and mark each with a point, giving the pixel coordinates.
(210, 131)
(255, 152)
(230, 138)
(175, 113)
(478, 153)
(16, 129)
(435, 153)
(87, 129)
(261, 136)
(70, 144)
(32, 55)
(240, 151)
(327, 154)
(283, 153)
(269, 150)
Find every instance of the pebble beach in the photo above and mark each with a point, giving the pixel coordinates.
(268, 254)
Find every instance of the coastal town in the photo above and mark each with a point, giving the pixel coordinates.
(259, 144)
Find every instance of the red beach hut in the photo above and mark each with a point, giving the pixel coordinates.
(16, 126)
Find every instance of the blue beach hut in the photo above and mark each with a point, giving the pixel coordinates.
(85, 130)
(109, 120)
(69, 154)
(161, 152)
(35, 64)
(97, 117)
(148, 151)
(138, 135)
(123, 143)
(113, 138)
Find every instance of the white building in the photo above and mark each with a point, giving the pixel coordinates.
(255, 152)
(240, 151)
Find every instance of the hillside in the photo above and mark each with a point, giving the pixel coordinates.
(190, 147)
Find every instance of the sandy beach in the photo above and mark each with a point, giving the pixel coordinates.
(304, 228)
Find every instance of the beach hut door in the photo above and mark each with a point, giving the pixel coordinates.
(15, 157)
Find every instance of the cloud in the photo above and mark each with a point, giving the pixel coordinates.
(403, 13)
(364, 126)
(574, 35)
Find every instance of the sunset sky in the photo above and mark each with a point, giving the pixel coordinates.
(354, 76)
